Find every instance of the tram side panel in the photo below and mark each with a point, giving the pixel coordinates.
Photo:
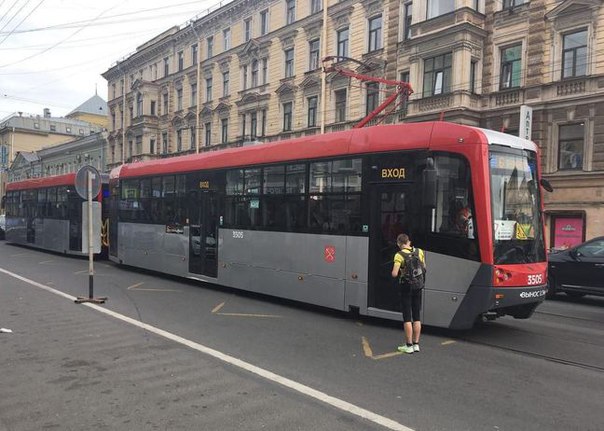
(149, 246)
(303, 267)
(447, 281)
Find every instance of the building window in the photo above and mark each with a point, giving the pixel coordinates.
(408, 7)
(375, 33)
(509, 4)
(247, 29)
(254, 73)
(291, 11)
(264, 22)
(340, 96)
(166, 66)
(139, 104)
(440, 7)
(151, 146)
(404, 97)
(511, 62)
(225, 84)
(574, 54)
(315, 6)
(226, 35)
(437, 75)
(194, 94)
(253, 125)
(289, 63)
(571, 146)
(194, 54)
(208, 138)
(473, 69)
(343, 42)
(313, 47)
(210, 46)
(312, 111)
(181, 60)
(245, 77)
(372, 98)
(179, 99)
(165, 98)
(264, 71)
(153, 103)
(53, 127)
(164, 141)
(208, 89)
(287, 116)
(193, 136)
(263, 125)
(224, 126)
(178, 141)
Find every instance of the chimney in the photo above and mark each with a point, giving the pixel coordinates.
(46, 113)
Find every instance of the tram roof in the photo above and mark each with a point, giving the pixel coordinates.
(383, 138)
(42, 182)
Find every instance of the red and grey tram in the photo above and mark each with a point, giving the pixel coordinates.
(315, 219)
(47, 213)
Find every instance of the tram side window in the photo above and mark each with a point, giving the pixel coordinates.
(174, 199)
(335, 196)
(29, 202)
(242, 203)
(453, 223)
(129, 203)
(62, 197)
(41, 210)
(284, 203)
(51, 202)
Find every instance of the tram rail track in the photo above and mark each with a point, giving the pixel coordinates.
(545, 357)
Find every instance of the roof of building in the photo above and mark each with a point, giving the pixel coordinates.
(95, 105)
(29, 156)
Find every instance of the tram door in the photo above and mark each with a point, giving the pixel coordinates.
(203, 233)
(390, 215)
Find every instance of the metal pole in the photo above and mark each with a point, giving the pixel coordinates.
(90, 245)
(323, 54)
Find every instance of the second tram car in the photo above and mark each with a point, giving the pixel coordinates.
(47, 213)
(315, 219)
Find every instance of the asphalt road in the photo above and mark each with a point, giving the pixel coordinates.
(229, 360)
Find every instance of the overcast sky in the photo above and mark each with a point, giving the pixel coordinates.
(52, 52)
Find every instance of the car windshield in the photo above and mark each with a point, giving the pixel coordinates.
(517, 224)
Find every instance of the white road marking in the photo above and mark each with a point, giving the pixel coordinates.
(284, 381)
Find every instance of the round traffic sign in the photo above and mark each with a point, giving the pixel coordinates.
(81, 181)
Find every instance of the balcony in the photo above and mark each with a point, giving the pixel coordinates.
(571, 87)
(434, 103)
(506, 98)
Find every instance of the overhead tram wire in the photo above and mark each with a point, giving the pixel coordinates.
(20, 22)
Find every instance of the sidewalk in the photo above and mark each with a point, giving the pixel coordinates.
(68, 367)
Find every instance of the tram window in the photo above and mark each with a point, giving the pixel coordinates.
(42, 203)
(156, 201)
(274, 180)
(234, 182)
(252, 181)
(452, 221)
(320, 177)
(51, 196)
(145, 199)
(295, 179)
(335, 213)
(62, 203)
(129, 203)
(346, 175)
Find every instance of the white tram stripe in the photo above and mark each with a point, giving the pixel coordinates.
(231, 360)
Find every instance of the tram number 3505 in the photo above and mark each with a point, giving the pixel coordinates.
(534, 279)
(238, 234)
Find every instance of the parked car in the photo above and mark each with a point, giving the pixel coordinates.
(2, 225)
(577, 271)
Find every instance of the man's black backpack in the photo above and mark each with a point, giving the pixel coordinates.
(412, 274)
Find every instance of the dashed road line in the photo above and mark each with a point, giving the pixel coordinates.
(219, 307)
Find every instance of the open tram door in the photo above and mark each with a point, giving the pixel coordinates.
(395, 195)
(203, 229)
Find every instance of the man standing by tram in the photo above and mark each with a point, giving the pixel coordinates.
(410, 269)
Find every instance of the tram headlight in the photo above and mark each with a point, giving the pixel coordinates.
(502, 275)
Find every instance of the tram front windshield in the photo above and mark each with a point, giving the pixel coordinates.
(517, 224)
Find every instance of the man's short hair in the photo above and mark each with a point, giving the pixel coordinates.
(403, 238)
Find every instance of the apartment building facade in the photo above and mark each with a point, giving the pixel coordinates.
(252, 70)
